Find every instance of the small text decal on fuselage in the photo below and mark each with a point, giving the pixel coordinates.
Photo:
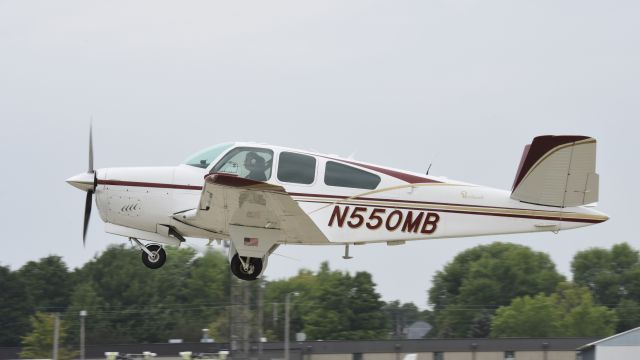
(391, 219)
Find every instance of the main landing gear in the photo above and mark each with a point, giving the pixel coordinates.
(246, 268)
(153, 255)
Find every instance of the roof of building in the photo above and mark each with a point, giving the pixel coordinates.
(627, 338)
(346, 347)
(445, 345)
(417, 330)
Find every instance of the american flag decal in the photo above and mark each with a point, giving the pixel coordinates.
(250, 241)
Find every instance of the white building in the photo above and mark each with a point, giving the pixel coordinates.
(623, 346)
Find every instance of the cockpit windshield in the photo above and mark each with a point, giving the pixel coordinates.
(203, 159)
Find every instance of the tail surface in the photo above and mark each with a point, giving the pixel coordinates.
(557, 171)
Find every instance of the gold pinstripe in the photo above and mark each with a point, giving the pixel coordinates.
(461, 208)
(390, 188)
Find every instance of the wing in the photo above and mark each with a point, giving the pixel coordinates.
(256, 215)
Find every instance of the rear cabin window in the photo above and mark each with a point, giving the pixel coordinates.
(296, 168)
(337, 174)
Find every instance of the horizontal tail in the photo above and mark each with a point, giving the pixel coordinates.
(557, 171)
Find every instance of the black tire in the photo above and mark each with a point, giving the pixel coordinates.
(255, 268)
(157, 261)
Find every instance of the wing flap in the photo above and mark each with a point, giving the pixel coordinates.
(242, 208)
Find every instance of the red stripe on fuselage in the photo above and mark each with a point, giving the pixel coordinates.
(400, 175)
(148, 184)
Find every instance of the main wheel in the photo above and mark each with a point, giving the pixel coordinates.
(251, 272)
(157, 259)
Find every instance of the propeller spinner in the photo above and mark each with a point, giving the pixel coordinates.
(86, 182)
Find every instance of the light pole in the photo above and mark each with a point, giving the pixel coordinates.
(83, 315)
(56, 335)
(287, 299)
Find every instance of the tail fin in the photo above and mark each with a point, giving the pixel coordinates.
(557, 171)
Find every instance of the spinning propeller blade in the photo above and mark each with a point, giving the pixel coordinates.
(87, 216)
(86, 182)
(89, 198)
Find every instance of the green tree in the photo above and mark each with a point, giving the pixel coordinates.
(467, 291)
(48, 283)
(628, 313)
(97, 324)
(133, 303)
(332, 305)
(613, 277)
(568, 312)
(367, 320)
(304, 283)
(400, 316)
(15, 307)
(344, 307)
(538, 316)
(219, 328)
(206, 286)
(38, 344)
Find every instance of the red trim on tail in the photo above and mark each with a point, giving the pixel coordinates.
(539, 147)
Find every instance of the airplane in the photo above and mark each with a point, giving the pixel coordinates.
(258, 197)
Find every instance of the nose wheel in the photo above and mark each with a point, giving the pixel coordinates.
(153, 256)
(246, 268)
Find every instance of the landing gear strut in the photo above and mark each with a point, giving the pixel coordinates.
(246, 268)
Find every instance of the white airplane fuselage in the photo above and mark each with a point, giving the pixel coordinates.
(140, 202)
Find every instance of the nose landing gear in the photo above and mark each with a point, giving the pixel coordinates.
(153, 255)
(156, 258)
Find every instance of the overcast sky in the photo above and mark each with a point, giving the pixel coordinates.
(399, 83)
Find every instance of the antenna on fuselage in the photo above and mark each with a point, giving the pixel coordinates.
(431, 163)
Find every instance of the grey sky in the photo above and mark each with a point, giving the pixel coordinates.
(399, 83)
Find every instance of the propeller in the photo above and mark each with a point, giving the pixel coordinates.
(89, 199)
(86, 182)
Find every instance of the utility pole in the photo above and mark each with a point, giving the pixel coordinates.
(287, 300)
(239, 320)
(83, 315)
(261, 286)
(246, 329)
(56, 335)
(274, 306)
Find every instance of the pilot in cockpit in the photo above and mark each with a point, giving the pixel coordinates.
(256, 166)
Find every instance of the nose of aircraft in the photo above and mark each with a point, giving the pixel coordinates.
(85, 181)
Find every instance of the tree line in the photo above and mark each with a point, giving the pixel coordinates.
(498, 290)
(506, 290)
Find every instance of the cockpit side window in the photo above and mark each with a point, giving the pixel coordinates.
(337, 174)
(247, 162)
